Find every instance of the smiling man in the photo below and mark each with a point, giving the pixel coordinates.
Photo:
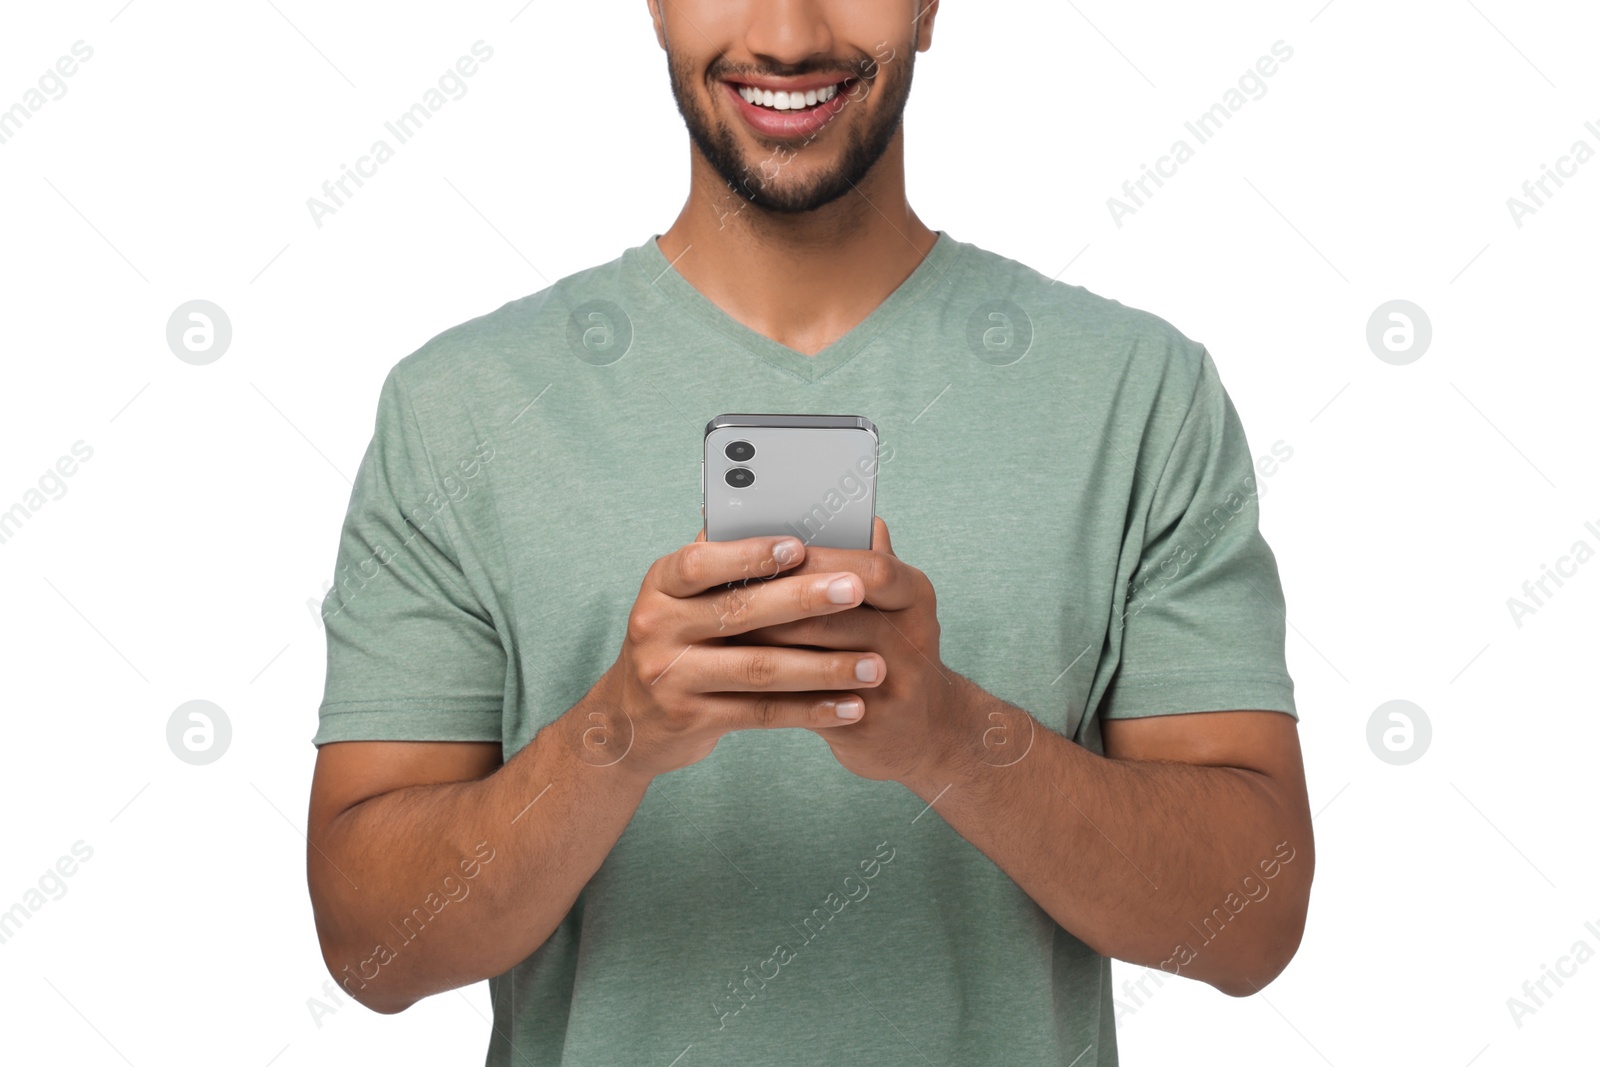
(765, 802)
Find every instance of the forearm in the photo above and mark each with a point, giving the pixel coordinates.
(407, 905)
(1201, 870)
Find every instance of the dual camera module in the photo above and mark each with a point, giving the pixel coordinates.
(740, 452)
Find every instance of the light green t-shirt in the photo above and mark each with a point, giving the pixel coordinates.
(1068, 472)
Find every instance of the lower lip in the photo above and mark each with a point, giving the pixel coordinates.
(789, 124)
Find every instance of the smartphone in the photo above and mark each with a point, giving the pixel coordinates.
(813, 476)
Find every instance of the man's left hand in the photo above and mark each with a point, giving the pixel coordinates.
(916, 715)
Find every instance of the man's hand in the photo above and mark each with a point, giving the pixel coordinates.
(680, 681)
(915, 718)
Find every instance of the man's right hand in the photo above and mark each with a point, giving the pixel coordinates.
(679, 684)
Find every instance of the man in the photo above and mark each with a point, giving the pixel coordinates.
(623, 780)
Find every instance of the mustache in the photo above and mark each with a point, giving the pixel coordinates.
(865, 68)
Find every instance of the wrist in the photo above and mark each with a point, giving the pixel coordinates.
(598, 733)
(955, 757)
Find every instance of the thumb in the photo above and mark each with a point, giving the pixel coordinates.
(880, 536)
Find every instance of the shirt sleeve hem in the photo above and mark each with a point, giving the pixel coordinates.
(407, 720)
(1180, 694)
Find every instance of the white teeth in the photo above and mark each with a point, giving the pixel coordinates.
(790, 101)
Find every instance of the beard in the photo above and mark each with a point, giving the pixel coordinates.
(756, 178)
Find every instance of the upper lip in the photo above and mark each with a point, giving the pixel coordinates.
(791, 85)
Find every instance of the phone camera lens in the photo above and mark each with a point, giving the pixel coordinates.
(740, 451)
(740, 477)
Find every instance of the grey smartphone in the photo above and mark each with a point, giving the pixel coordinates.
(813, 476)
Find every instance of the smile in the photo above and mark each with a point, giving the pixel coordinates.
(787, 115)
(781, 101)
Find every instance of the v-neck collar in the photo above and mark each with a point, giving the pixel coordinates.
(655, 271)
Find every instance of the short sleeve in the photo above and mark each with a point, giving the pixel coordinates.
(412, 654)
(1203, 621)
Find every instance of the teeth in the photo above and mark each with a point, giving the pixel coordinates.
(788, 101)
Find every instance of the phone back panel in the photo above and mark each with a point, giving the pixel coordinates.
(818, 483)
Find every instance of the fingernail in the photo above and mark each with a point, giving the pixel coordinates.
(841, 591)
(849, 708)
(867, 670)
(786, 552)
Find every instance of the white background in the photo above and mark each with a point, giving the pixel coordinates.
(179, 562)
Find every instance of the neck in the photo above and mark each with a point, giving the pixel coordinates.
(803, 280)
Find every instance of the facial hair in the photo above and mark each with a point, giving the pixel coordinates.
(756, 181)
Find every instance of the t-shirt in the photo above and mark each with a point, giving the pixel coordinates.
(1067, 471)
